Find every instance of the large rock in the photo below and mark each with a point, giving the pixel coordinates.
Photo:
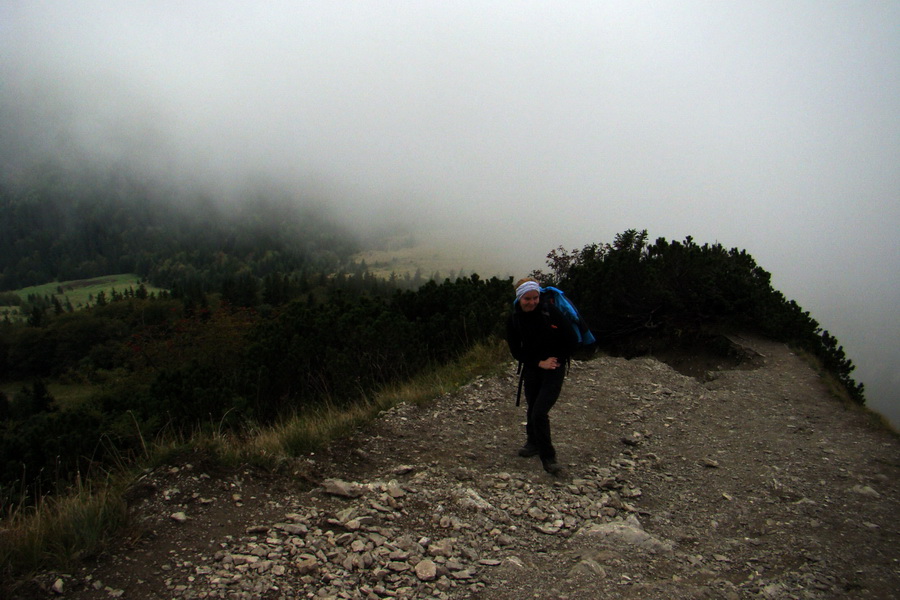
(631, 532)
(339, 487)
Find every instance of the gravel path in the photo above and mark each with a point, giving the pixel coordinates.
(753, 483)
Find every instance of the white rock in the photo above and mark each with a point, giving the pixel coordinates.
(307, 564)
(865, 490)
(338, 487)
(426, 570)
(630, 532)
(443, 547)
(590, 567)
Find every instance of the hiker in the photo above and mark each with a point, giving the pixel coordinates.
(541, 339)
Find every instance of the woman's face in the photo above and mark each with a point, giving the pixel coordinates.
(529, 301)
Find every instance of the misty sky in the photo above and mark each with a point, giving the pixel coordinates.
(512, 127)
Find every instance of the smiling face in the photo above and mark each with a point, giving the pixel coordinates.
(529, 301)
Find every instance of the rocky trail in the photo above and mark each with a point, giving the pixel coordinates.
(747, 483)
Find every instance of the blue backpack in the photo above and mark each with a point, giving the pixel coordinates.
(556, 297)
(583, 335)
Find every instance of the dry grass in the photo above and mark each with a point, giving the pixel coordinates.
(308, 432)
(55, 531)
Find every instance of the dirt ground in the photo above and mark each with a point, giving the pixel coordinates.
(743, 482)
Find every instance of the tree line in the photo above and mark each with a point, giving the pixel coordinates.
(637, 294)
(164, 365)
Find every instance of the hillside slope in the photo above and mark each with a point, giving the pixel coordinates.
(752, 484)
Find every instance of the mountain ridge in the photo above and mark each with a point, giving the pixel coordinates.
(749, 482)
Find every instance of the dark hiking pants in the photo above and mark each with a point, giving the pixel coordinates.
(542, 388)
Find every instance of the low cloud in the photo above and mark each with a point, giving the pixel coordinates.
(511, 128)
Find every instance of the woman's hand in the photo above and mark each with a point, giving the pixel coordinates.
(549, 364)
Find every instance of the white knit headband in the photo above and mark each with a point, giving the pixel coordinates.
(528, 286)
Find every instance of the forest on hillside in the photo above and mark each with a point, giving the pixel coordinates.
(58, 225)
(246, 335)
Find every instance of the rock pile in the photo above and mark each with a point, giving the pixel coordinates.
(421, 533)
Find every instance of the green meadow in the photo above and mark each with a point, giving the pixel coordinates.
(78, 292)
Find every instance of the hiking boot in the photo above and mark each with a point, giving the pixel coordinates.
(528, 450)
(551, 466)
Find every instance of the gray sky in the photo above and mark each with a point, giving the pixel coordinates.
(515, 127)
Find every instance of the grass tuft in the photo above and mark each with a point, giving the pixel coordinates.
(58, 530)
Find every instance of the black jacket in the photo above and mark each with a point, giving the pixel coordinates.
(537, 335)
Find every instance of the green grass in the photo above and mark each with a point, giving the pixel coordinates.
(81, 291)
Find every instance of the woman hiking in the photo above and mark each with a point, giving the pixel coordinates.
(541, 339)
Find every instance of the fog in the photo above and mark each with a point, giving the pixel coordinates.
(510, 128)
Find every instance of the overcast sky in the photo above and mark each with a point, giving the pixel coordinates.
(514, 127)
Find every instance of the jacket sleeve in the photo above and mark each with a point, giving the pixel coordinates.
(514, 338)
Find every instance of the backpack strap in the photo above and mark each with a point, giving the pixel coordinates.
(521, 380)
